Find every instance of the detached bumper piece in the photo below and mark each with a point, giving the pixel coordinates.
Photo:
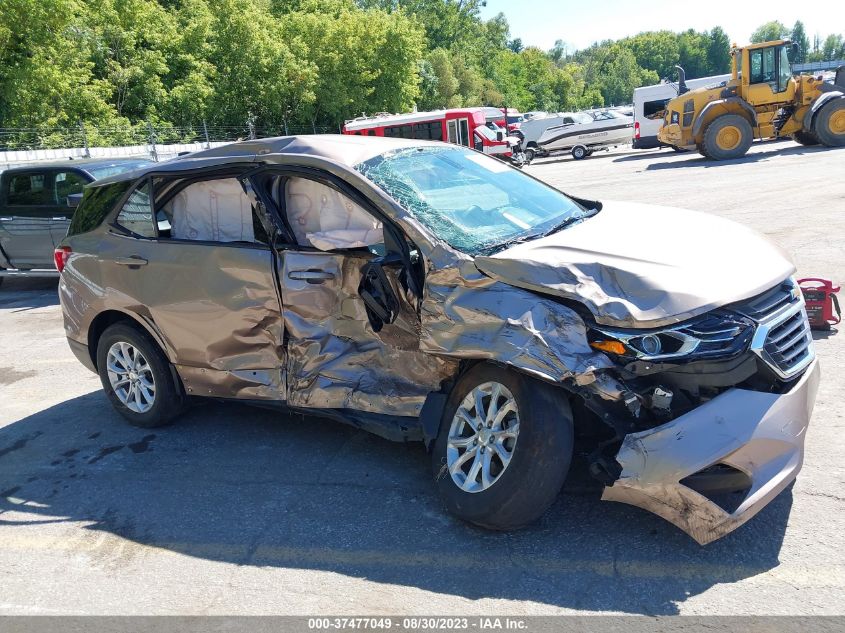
(758, 434)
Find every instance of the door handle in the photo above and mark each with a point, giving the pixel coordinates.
(133, 260)
(6, 219)
(60, 218)
(312, 275)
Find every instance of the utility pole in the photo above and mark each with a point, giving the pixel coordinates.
(205, 132)
(152, 134)
(84, 139)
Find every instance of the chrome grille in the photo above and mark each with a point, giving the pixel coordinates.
(783, 338)
(788, 342)
(766, 305)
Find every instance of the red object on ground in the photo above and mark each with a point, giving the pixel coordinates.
(822, 303)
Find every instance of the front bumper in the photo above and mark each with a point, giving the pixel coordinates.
(760, 434)
(671, 135)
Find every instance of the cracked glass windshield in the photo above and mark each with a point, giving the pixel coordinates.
(475, 203)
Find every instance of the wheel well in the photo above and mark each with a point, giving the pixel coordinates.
(99, 325)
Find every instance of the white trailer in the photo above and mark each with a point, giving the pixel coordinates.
(649, 103)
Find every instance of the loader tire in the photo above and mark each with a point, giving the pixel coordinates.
(805, 137)
(728, 136)
(830, 123)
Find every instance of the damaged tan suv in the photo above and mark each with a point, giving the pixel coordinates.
(424, 291)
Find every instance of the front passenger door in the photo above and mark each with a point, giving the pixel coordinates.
(26, 219)
(335, 358)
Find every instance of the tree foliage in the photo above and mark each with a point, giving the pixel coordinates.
(770, 31)
(116, 63)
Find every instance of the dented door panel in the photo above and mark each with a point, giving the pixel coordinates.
(334, 358)
(215, 307)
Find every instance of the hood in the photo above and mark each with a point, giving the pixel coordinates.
(638, 266)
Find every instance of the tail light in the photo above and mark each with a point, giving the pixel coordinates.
(636, 129)
(60, 256)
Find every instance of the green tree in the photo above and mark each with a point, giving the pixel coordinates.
(260, 71)
(446, 93)
(658, 51)
(718, 52)
(799, 36)
(770, 31)
(46, 75)
(693, 48)
(833, 48)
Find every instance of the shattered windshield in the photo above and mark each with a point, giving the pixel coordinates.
(475, 203)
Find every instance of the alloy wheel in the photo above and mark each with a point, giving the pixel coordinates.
(482, 437)
(131, 377)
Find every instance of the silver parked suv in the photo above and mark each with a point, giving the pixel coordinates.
(424, 291)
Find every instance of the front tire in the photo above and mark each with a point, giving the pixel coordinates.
(504, 448)
(728, 136)
(829, 126)
(136, 377)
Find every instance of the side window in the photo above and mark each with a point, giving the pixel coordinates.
(67, 183)
(654, 109)
(97, 203)
(322, 217)
(215, 210)
(463, 125)
(28, 190)
(137, 212)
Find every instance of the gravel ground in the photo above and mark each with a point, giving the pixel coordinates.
(245, 511)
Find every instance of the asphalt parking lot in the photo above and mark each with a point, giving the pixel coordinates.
(238, 510)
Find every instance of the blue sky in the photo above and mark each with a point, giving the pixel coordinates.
(579, 24)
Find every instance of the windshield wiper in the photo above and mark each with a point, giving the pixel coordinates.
(572, 219)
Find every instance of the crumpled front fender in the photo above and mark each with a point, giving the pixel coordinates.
(760, 434)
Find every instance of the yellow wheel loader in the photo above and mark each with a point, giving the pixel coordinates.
(762, 100)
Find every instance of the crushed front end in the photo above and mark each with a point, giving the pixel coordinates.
(705, 421)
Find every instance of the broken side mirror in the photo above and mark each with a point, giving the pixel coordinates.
(375, 290)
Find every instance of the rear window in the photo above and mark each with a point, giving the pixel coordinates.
(96, 204)
(105, 171)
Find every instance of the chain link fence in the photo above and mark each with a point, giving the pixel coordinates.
(21, 145)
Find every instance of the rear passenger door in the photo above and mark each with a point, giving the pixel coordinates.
(26, 218)
(189, 257)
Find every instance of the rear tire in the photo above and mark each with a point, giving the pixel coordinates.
(805, 137)
(830, 123)
(579, 152)
(136, 377)
(521, 468)
(728, 136)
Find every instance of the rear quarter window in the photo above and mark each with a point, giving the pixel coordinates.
(96, 204)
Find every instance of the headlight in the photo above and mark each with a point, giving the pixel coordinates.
(718, 334)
